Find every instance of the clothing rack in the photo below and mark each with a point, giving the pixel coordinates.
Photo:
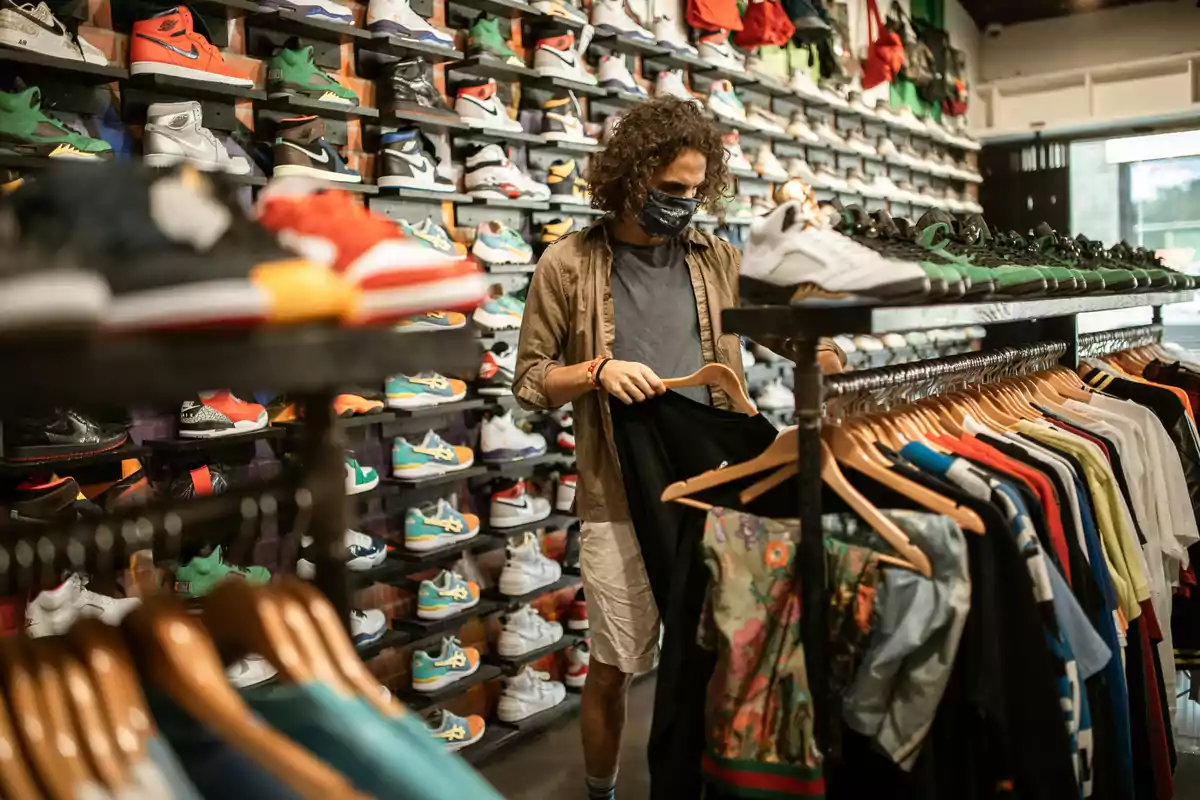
(1101, 343)
(794, 330)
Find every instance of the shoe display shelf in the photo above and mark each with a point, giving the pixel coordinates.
(565, 582)
(163, 447)
(500, 8)
(524, 205)
(398, 117)
(401, 563)
(554, 521)
(228, 7)
(342, 423)
(419, 701)
(66, 69)
(393, 45)
(425, 195)
(628, 45)
(430, 630)
(793, 330)
(437, 480)
(527, 466)
(510, 269)
(469, 404)
(294, 104)
(495, 738)
(573, 148)
(486, 135)
(286, 20)
(573, 86)
(66, 464)
(511, 665)
(189, 89)
(677, 60)
(544, 719)
(390, 638)
(490, 67)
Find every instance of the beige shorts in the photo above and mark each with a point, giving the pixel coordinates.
(622, 615)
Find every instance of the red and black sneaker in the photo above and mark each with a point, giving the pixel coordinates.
(219, 413)
(579, 655)
(577, 616)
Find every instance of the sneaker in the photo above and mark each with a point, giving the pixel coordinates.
(789, 247)
(669, 83)
(367, 627)
(423, 390)
(525, 631)
(395, 277)
(358, 403)
(859, 144)
(826, 177)
(431, 672)
(58, 434)
(175, 134)
(433, 235)
(359, 479)
(292, 72)
(563, 9)
(34, 27)
(571, 554)
(830, 137)
(321, 10)
(445, 596)
(500, 440)
(579, 655)
(453, 731)
(489, 174)
(768, 166)
(803, 85)
(169, 44)
(564, 493)
(219, 413)
(496, 243)
(406, 162)
(363, 553)
(764, 120)
(528, 692)
(557, 57)
(430, 457)
(495, 315)
(551, 231)
(735, 159)
(560, 122)
(202, 574)
(565, 441)
(799, 169)
(300, 149)
(497, 370)
(410, 88)
(434, 321)
(724, 101)
(480, 107)
(27, 130)
(527, 569)
(53, 611)
(436, 525)
(484, 39)
(613, 17)
(253, 670)
(885, 148)
(396, 18)
(615, 75)
(856, 181)
(566, 184)
(774, 396)
(668, 34)
(718, 52)
(577, 616)
(515, 506)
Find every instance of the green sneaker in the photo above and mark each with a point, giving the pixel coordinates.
(201, 575)
(292, 71)
(27, 130)
(485, 39)
(934, 237)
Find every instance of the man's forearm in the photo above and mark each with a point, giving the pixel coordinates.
(564, 384)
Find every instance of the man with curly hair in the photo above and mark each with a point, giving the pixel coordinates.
(610, 309)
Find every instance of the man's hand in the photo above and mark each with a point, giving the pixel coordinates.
(630, 382)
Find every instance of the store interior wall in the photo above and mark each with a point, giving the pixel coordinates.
(1095, 201)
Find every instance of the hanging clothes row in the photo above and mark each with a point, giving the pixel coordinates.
(1001, 543)
(145, 712)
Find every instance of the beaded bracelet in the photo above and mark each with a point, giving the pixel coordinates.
(592, 367)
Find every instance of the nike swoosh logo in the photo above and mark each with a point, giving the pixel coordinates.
(422, 165)
(55, 28)
(514, 503)
(323, 158)
(486, 107)
(568, 59)
(193, 53)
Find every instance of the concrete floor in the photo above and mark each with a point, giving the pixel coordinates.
(551, 764)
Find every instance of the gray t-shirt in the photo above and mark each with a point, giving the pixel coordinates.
(655, 312)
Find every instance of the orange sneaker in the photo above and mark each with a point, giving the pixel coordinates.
(220, 413)
(434, 321)
(168, 44)
(349, 405)
(396, 276)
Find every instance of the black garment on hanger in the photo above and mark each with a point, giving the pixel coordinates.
(660, 441)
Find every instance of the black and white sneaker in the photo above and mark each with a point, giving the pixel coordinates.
(490, 174)
(219, 413)
(404, 162)
(34, 27)
(560, 121)
(300, 149)
(497, 370)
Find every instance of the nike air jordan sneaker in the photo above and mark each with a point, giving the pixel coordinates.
(405, 162)
(557, 57)
(500, 440)
(615, 75)
(513, 506)
(613, 17)
(489, 174)
(560, 122)
(480, 107)
(219, 413)
(670, 36)
(27, 130)
(527, 568)
(717, 51)
(410, 88)
(566, 185)
(169, 44)
(175, 134)
(497, 370)
(669, 83)
(321, 10)
(292, 71)
(34, 27)
(53, 611)
(300, 149)
(484, 39)
(396, 18)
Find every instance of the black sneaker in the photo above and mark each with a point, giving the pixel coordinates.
(300, 149)
(58, 434)
(565, 183)
(410, 88)
(404, 162)
(200, 482)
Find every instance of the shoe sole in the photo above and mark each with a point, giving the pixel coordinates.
(312, 12)
(496, 322)
(443, 681)
(489, 125)
(571, 76)
(440, 541)
(461, 293)
(512, 523)
(448, 611)
(559, 136)
(576, 625)
(239, 427)
(362, 487)
(57, 451)
(285, 170)
(508, 652)
(509, 590)
(399, 182)
(423, 400)
(427, 471)
(321, 98)
(372, 639)
(505, 456)
(189, 73)
(52, 299)
(506, 713)
(573, 682)
(490, 255)
(163, 160)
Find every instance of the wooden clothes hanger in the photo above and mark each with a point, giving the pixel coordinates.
(717, 375)
(102, 653)
(17, 781)
(782, 451)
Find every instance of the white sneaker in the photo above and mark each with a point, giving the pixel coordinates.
(724, 102)
(610, 16)
(615, 75)
(564, 493)
(490, 174)
(768, 166)
(789, 247)
(717, 51)
(829, 136)
(367, 627)
(250, 671)
(363, 552)
(561, 123)
(747, 357)
(515, 506)
(798, 128)
(53, 611)
(525, 631)
(501, 440)
(396, 18)
(775, 397)
(828, 179)
(859, 144)
(736, 160)
(175, 134)
(670, 84)
(886, 149)
(34, 27)
(856, 182)
(527, 693)
(579, 658)
(764, 120)
(480, 107)
(558, 57)
(669, 36)
(799, 168)
(803, 85)
(526, 569)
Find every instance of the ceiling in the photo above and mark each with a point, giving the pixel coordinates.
(1007, 12)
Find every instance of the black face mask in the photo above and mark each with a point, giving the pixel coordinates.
(665, 214)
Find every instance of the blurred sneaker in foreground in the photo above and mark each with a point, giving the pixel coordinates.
(434, 321)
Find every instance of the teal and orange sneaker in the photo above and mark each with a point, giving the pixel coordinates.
(434, 236)
(202, 574)
(433, 321)
(430, 457)
(453, 731)
(445, 596)
(437, 525)
(433, 672)
(423, 390)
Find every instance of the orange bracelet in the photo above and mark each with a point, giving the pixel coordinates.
(592, 367)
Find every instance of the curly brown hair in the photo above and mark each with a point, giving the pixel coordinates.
(650, 136)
